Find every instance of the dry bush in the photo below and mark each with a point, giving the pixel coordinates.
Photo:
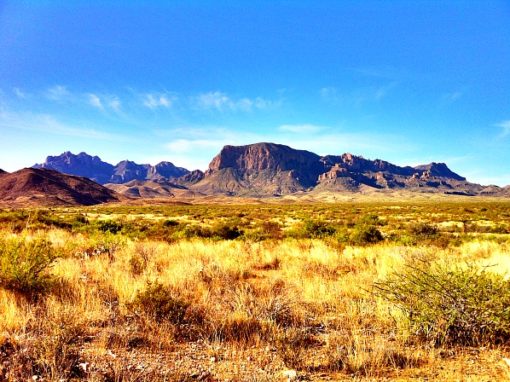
(24, 264)
(51, 348)
(160, 303)
(451, 304)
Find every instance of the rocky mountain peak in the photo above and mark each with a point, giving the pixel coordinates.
(80, 164)
(94, 168)
(259, 156)
(439, 170)
(269, 161)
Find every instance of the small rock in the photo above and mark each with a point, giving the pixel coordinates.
(290, 374)
(212, 359)
(110, 353)
(84, 366)
(507, 361)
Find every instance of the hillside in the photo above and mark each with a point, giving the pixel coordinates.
(31, 186)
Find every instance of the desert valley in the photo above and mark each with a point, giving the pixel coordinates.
(275, 264)
(254, 191)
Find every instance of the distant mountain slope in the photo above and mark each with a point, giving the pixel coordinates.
(80, 164)
(265, 169)
(269, 169)
(94, 168)
(150, 189)
(31, 186)
(261, 169)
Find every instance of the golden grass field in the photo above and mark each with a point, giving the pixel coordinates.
(254, 292)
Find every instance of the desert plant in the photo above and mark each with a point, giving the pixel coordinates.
(24, 264)
(366, 234)
(451, 305)
(109, 226)
(318, 229)
(226, 231)
(423, 230)
(161, 303)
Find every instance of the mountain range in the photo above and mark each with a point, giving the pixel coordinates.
(101, 172)
(267, 169)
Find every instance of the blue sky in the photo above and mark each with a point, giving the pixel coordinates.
(409, 82)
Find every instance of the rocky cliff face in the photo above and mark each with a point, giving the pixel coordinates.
(270, 169)
(261, 169)
(101, 172)
(351, 172)
(438, 170)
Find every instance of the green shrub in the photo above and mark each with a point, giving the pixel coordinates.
(451, 305)
(225, 231)
(161, 303)
(423, 230)
(24, 263)
(366, 234)
(371, 219)
(109, 226)
(192, 230)
(170, 223)
(318, 229)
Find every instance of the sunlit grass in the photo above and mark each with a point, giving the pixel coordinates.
(301, 303)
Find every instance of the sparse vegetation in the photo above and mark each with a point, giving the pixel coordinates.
(344, 291)
(451, 304)
(24, 264)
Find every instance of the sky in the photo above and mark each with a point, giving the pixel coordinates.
(409, 82)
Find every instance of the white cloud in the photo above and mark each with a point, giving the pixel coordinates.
(379, 92)
(58, 93)
(301, 129)
(19, 93)
(154, 101)
(104, 102)
(115, 104)
(328, 93)
(95, 101)
(214, 100)
(358, 96)
(48, 124)
(505, 128)
(222, 102)
(453, 96)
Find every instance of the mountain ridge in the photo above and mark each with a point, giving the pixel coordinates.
(92, 167)
(270, 169)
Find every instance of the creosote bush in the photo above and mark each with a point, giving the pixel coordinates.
(366, 234)
(161, 303)
(24, 263)
(451, 305)
(423, 230)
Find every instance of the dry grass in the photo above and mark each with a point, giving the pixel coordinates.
(247, 311)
